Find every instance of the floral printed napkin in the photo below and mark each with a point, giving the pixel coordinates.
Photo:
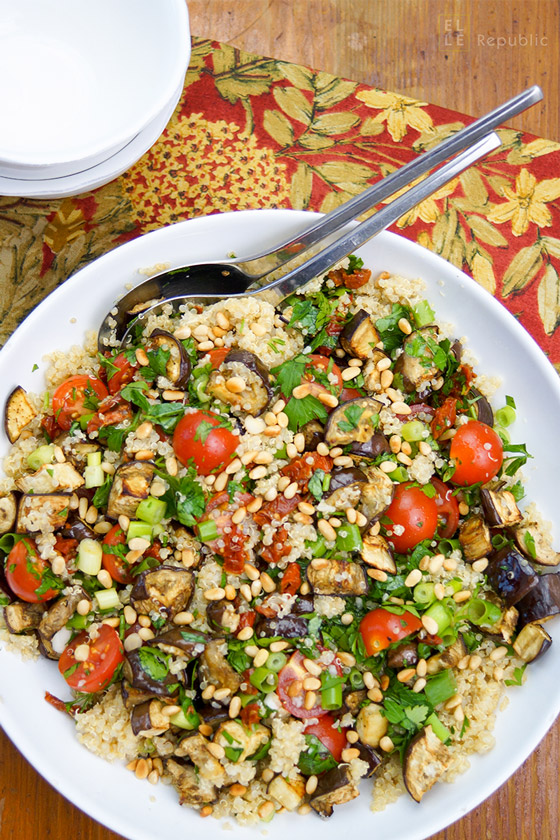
(254, 132)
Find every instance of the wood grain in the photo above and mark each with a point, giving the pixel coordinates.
(398, 45)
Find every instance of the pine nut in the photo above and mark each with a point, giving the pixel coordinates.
(236, 384)
(291, 451)
(171, 465)
(267, 582)
(424, 448)
(215, 593)
(216, 750)
(311, 785)
(424, 563)
(386, 379)
(343, 461)
(264, 458)
(130, 614)
(322, 449)
(430, 625)
(404, 326)
(326, 530)
(83, 607)
(312, 667)
(277, 647)
(375, 695)
(183, 618)
(387, 466)
(283, 420)
(414, 577)
(255, 505)
(142, 769)
(449, 564)
(346, 619)
(260, 658)
(256, 588)
(299, 442)
(294, 688)
(347, 659)
(311, 684)
(480, 565)
(144, 430)
(498, 674)
(234, 707)
(251, 571)
(307, 508)
(231, 592)
(206, 811)
(132, 642)
(283, 482)
(395, 443)
(105, 579)
(237, 789)
(221, 694)
(463, 663)
(257, 472)
(328, 399)
(406, 674)
(436, 563)
(462, 596)
(439, 591)
(239, 515)
(221, 482)
(401, 408)
(232, 468)
(377, 574)
(352, 737)
(266, 810)
(421, 668)
(304, 809)
(245, 591)
(82, 507)
(498, 653)
(310, 700)
(144, 455)
(419, 685)
(350, 373)
(81, 653)
(208, 692)
(475, 662)
(146, 634)
(291, 490)
(369, 680)
(386, 744)
(350, 754)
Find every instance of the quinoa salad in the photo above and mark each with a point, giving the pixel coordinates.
(280, 557)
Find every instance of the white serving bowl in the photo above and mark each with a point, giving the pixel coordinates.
(114, 796)
(81, 79)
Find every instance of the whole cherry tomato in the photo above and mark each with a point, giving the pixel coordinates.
(414, 515)
(478, 454)
(77, 396)
(105, 655)
(205, 440)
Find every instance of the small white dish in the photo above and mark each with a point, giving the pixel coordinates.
(110, 794)
(82, 79)
(96, 176)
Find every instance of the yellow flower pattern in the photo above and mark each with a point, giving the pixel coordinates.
(526, 203)
(398, 111)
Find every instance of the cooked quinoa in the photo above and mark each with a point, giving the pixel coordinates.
(208, 537)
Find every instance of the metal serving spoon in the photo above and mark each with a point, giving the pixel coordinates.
(209, 282)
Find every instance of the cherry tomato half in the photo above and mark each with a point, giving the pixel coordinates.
(329, 735)
(412, 512)
(70, 400)
(116, 565)
(117, 379)
(478, 453)
(201, 438)
(292, 672)
(380, 628)
(325, 366)
(447, 509)
(24, 572)
(105, 655)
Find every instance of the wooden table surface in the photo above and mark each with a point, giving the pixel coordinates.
(468, 55)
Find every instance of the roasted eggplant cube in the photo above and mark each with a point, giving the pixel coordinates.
(535, 545)
(475, 539)
(313, 434)
(377, 553)
(18, 413)
(166, 590)
(500, 508)
(369, 449)
(56, 618)
(177, 366)
(541, 602)
(182, 641)
(289, 627)
(425, 760)
(8, 512)
(345, 487)
(354, 421)
(21, 617)
(481, 406)
(214, 668)
(359, 336)
(532, 642)
(377, 494)
(186, 780)
(403, 656)
(337, 577)
(447, 658)
(511, 576)
(147, 719)
(136, 671)
(335, 787)
(41, 512)
(289, 793)
(131, 485)
(241, 382)
(416, 362)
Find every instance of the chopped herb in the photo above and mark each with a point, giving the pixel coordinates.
(101, 496)
(529, 542)
(517, 676)
(388, 328)
(353, 414)
(154, 662)
(184, 497)
(354, 263)
(511, 465)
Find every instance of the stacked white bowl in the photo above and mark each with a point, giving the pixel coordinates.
(86, 88)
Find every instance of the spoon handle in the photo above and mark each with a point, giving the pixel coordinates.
(391, 184)
(279, 289)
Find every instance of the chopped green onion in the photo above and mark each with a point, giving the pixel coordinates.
(77, 622)
(331, 691)
(40, 456)
(93, 476)
(276, 661)
(108, 599)
(441, 615)
(185, 721)
(151, 510)
(318, 548)
(441, 687)
(413, 430)
(439, 729)
(90, 555)
(94, 459)
(349, 538)
(482, 612)
(207, 530)
(139, 529)
(84, 420)
(505, 416)
(503, 434)
(399, 474)
(200, 388)
(424, 593)
(355, 678)
(264, 679)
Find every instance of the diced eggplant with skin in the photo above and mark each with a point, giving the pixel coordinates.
(371, 758)
(447, 658)
(425, 761)
(505, 627)
(475, 539)
(377, 494)
(371, 724)
(377, 553)
(535, 545)
(369, 490)
(511, 575)
(166, 590)
(8, 512)
(354, 421)
(131, 485)
(542, 602)
(77, 529)
(195, 748)
(415, 364)
(214, 715)
(147, 719)
(214, 668)
(182, 641)
(500, 508)
(371, 373)
(55, 619)
(139, 678)
(288, 627)
(241, 364)
(18, 413)
(186, 781)
(352, 700)
(370, 449)
(403, 656)
(289, 793)
(337, 577)
(51, 478)
(40, 511)
(248, 738)
(532, 642)
(482, 407)
(222, 616)
(313, 433)
(335, 787)
(132, 696)
(21, 617)
(359, 336)
(345, 487)
(178, 366)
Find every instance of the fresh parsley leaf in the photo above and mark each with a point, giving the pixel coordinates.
(154, 662)
(354, 263)
(289, 374)
(517, 676)
(184, 497)
(302, 411)
(316, 758)
(511, 465)
(388, 327)
(101, 495)
(517, 491)
(352, 414)
(316, 483)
